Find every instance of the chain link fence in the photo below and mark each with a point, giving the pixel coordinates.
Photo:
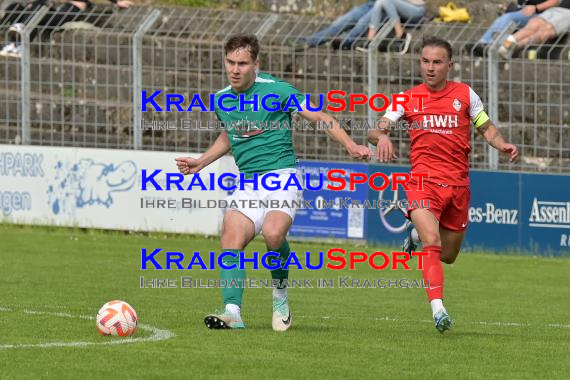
(79, 83)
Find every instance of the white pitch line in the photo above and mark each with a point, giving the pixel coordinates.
(506, 324)
(157, 334)
(485, 323)
(54, 314)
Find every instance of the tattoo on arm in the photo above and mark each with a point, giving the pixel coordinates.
(494, 137)
(482, 129)
(491, 134)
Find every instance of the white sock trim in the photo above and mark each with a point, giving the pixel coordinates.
(232, 308)
(279, 293)
(415, 236)
(436, 306)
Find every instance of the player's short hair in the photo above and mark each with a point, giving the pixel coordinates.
(243, 41)
(438, 42)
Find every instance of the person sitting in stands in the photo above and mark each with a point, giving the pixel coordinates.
(551, 23)
(357, 19)
(19, 14)
(519, 13)
(403, 11)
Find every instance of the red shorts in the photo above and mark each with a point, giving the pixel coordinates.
(449, 204)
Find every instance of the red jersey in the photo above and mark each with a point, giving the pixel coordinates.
(443, 149)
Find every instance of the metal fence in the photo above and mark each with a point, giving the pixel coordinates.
(79, 84)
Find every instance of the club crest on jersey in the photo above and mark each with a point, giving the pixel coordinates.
(456, 104)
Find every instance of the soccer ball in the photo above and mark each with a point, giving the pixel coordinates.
(117, 318)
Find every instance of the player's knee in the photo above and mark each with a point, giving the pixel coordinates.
(231, 241)
(448, 259)
(430, 238)
(273, 239)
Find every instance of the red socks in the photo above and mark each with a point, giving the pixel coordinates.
(433, 272)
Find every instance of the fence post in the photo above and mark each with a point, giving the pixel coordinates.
(266, 26)
(25, 69)
(137, 75)
(493, 88)
(373, 63)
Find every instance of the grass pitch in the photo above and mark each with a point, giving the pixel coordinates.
(511, 317)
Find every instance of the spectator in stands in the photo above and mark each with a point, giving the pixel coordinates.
(357, 18)
(403, 11)
(547, 25)
(19, 14)
(519, 13)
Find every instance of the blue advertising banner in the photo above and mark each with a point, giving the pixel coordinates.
(545, 214)
(338, 221)
(386, 225)
(494, 213)
(515, 212)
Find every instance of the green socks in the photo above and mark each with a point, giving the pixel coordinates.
(232, 294)
(281, 274)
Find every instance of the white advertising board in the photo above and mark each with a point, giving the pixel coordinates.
(102, 188)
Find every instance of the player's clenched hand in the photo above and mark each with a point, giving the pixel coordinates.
(188, 165)
(385, 151)
(511, 150)
(360, 152)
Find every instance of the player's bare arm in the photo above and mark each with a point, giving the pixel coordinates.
(494, 138)
(189, 165)
(359, 152)
(381, 138)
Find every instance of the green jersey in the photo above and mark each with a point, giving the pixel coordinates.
(260, 140)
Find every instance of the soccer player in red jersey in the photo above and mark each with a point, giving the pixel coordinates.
(442, 150)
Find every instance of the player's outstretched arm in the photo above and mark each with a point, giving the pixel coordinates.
(359, 152)
(494, 138)
(380, 138)
(189, 165)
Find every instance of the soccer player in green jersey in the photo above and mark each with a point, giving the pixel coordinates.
(258, 150)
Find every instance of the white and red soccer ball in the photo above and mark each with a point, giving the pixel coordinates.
(117, 318)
